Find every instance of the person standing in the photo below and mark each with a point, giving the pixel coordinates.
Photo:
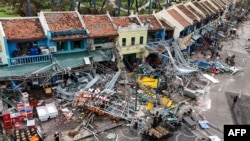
(235, 101)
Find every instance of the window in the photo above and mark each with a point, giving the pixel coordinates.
(123, 41)
(77, 44)
(141, 40)
(61, 46)
(133, 41)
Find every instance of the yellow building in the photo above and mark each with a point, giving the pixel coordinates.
(132, 40)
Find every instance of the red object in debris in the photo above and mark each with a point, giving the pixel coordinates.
(7, 124)
(6, 116)
(213, 70)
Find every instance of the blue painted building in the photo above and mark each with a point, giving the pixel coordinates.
(20, 41)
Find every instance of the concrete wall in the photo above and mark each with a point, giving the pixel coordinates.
(128, 33)
(3, 53)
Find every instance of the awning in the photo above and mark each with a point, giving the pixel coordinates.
(21, 70)
(72, 59)
(196, 36)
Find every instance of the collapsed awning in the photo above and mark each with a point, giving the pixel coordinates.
(72, 59)
(102, 55)
(21, 70)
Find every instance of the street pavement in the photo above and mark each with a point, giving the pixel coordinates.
(220, 111)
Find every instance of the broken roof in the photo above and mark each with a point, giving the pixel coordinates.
(16, 29)
(178, 18)
(154, 23)
(125, 21)
(185, 10)
(166, 25)
(199, 6)
(66, 23)
(99, 25)
(195, 12)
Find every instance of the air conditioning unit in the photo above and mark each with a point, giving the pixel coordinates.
(45, 51)
(52, 49)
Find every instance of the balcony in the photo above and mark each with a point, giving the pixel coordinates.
(29, 59)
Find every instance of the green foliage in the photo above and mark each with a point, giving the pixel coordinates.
(19, 7)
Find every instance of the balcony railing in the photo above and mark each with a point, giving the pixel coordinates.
(29, 59)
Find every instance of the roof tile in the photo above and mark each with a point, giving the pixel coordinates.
(217, 5)
(166, 25)
(187, 12)
(203, 10)
(125, 21)
(207, 7)
(221, 2)
(23, 29)
(178, 18)
(99, 25)
(63, 21)
(195, 12)
(210, 6)
(155, 25)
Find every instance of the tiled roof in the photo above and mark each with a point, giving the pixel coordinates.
(207, 8)
(125, 21)
(187, 12)
(178, 18)
(217, 5)
(228, 1)
(166, 25)
(210, 6)
(195, 12)
(222, 2)
(201, 8)
(155, 25)
(99, 25)
(23, 29)
(63, 21)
